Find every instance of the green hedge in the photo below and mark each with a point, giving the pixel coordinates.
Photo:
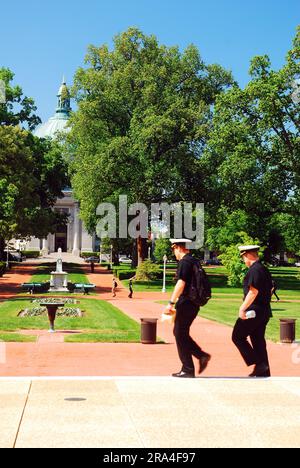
(2, 268)
(89, 254)
(125, 274)
(31, 253)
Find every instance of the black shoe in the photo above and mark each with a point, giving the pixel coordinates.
(203, 361)
(184, 375)
(260, 370)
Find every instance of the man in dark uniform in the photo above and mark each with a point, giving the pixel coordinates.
(186, 312)
(257, 297)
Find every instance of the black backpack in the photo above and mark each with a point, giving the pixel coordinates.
(200, 289)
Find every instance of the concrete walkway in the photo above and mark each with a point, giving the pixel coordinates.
(52, 258)
(149, 412)
(136, 405)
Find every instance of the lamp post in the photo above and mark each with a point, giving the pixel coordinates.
(165, 258)
(111, 257)
(149, 253)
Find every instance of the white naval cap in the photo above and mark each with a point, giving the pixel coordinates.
(248, 248)
(180, 241)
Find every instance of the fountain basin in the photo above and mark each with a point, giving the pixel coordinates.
(52, 309)
(59, 281)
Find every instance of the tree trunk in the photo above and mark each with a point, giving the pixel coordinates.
(115, 256)
(142, 249)
(134, 255)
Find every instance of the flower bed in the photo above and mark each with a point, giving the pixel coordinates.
(42, 311)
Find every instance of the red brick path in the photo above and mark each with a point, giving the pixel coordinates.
(51, 356)
(11, 280)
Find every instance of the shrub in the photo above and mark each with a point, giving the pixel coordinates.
(45, 287)
(89, 254)
(125, 274)
(2, 268)
(148, 271)
(235, 266)
(231, 259)
(31, 253)
(71, 286)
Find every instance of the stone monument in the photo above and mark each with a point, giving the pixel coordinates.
(59, 278)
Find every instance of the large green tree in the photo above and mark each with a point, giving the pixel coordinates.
(17, 109)
(32, 171)
(254, 150)
(32, 174)
(144, 113)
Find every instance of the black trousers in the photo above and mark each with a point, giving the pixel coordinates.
(186, 312)
(276, 295)
(255, 328)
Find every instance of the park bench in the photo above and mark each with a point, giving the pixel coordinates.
(85, 288)
(31, 287)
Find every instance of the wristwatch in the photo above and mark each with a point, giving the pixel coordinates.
(171, 303)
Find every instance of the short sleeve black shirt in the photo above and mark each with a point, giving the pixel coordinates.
(260, 278)
(185, 272)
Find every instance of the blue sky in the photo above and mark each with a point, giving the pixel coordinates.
(41, 41)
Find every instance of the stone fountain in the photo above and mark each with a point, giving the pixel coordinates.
(59, 278)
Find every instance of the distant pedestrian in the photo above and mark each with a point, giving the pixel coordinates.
(114, 287)
(274, 289)
(130, 289)
(92, 267)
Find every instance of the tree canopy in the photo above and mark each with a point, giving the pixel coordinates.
(253, 153)
(143, 119)
(18, 109)
(32, 174)
(32, 171)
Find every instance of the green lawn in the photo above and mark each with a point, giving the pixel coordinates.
(101, 322)
(225, 310)
(16, 337)
(286, 279)
(224, 305)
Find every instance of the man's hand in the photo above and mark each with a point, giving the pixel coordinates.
(169, 310)
(249, 299)
(242, 314)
